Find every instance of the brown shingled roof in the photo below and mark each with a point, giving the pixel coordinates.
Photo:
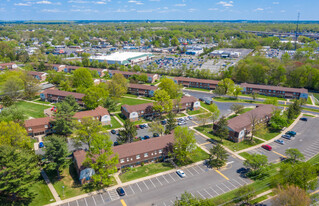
(244, 120)
(36, 73)
(129, 73)
(206, 81)
(142, 86)
(37, 122)
(63, 93)
(97, 112)
(7, 64)
(138, 107)
(278, 88)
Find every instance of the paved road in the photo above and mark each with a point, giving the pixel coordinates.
(306, 141)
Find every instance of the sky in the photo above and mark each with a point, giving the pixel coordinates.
(158, 9)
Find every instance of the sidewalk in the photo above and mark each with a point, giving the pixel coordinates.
(273, 139)
(52, 189)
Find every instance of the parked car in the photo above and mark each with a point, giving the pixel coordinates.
(115, 143)
(279, 141)
(181, 173)
(163, 122)
(155, 135)
(266, 147)
(145, 125)
(304, 119)
(41, 145)
(137, 126)
(286, 136)
(142, 138)
(113, 131)
(146, 137)
(190, 117)
(291, 133)
(142, 126)
(120, 191)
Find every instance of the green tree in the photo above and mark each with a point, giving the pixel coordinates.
(156, 127)
(271, 100)
(117, 87)
(290, 195)
(171, 122)
(294, 110)
(294, 155)
(174, 41)
(95, 96)
(163, 102)
(102, 160)
(235, 91)
(215, 112)
(245, 194)
(30, 85)
(184, 144)
(220, 91)
(56, 151)
(7, 101)
(14, 135)
(82, 77)
(19, 171)
(227, 84)
(63, 119)
(86, 130)
(256, 161)
(203, 118)
(222, 128)
(218, 156)
(128, 133)
(237, 108)
(13, 87)
(110, 104)
(70, 100)
(173, 89)
(13, 114)
(188, 199)
(278, 120)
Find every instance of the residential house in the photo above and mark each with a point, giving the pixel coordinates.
(131, 154)
(8, 66)
(151, 77)
(55, 95)
(275, 91)
(142, 90)
(100, 113)
(41, 76)
(240, 126)
(1, 107)
(196, 83)
(39, 126)
(134, 112)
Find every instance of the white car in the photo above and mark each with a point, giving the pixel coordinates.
(181, 173)
(190, 117)
(145, 125)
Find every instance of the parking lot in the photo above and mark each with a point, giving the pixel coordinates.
(163, 189)
(306, 140)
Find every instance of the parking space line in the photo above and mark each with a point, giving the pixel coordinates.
(68, 203)
(192, 194)
(213, 190)
(131, 189)
(145, 185)
(201, 195)
(172, 202)
(159, 181)
(279, 154)
(93, 200)
(222, 174)
(195, 170)
(171, 177)
(226, 186)
(123, 202)
(200, 168)
(164, 204)
(189, 172)
(110, 195)
(152, 183)
(138, 187)
(232, 184)
(77, 203)
(220, 189)
(102, 198)
(85, 202)
(208, 193)
(238, 182)
(165, 179)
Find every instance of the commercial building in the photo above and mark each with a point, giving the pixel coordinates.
(240, 126)
(225, 54)
(196, 83)
(41, 76)
(134, 112)
(55, 95)
(275, 91)
(8, 66)
(131, 154)
(142, 90)
(123, 58)
(151, 77)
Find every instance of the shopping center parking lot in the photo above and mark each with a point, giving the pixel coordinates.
(306, 141)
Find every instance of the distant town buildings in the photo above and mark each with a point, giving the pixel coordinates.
(123, 58)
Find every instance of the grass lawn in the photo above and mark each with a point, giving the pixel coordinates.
(308, 115)
(207, 130)
(181, 115)
(314, 160)
(241, 112)
(120, 117)
(245, 155)
(264, 97)
(196, 157)
(228, 99)
(130, 101)
(198, 89)
(269, 135)
(199, 111)
(42, 102)
(309, 101)
(42, 192)
(114, 123)
(32, 110)
(146, 170)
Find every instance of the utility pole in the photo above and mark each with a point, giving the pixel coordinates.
(297, 31)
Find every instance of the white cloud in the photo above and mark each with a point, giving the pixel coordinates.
(43, 2)
(276, 2)
(85, 10)
(192, 10)
(283, 11)
(23, 4)
(180, 5)
(145, 11)
(213, 9)
(259, 9)
(226, 4)
(155, 0)
(51, 11)
(136, 2)
(78, 1)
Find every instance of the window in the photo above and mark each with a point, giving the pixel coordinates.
(138, 157)
(122, 161)
(142, 112)
(127, 159)
(145, 155)
(160, 151)
(155, 153)
(46, 126)
(30, 129)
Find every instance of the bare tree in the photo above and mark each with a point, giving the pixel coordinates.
(257, 125)
(291, 195)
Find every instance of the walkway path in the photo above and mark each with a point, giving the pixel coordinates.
(52, 189)
(117, 119)
(43, 104)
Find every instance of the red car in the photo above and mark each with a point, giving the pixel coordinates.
(266, 147)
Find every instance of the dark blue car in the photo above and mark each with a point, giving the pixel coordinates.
(146, 137)
(291, 133)
(41, 145)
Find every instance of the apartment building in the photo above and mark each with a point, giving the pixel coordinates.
(196, 83)
(38, 126)
(151, 77)
(142, 90)
(8, 66)
(55, 95)
(100, 113)
(41, 76)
